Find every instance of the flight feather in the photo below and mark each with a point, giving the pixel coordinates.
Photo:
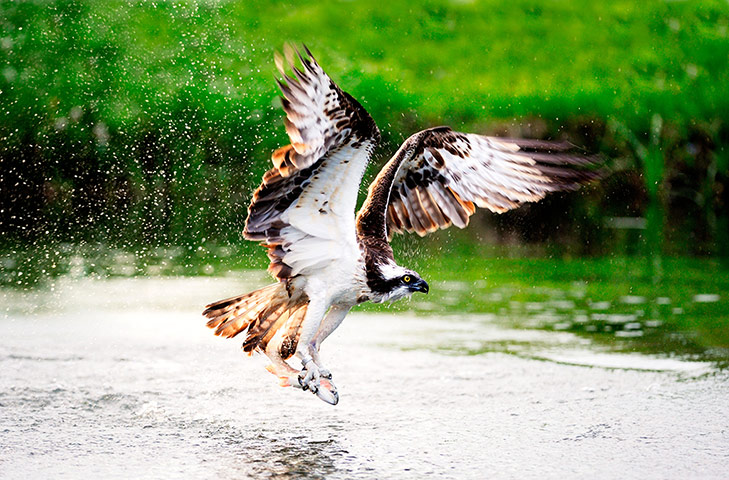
(438, 177)
(303, 210)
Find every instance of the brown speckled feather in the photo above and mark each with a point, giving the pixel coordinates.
(262, 313)
(438, 177)
(332, 137)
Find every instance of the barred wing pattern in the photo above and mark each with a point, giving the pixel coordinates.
(302, 212)
(439, 177)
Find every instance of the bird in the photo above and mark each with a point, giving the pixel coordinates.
(324, 258)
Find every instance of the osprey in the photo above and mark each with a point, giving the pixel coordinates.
(323, 259)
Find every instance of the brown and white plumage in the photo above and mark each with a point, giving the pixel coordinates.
(438, 177)
(325, 262)
(304, 206)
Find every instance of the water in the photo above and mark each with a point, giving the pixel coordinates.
(119, 378)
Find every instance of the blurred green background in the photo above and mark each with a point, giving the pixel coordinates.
(151, 123)
(134, 133)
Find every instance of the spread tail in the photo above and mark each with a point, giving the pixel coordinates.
(263, 312)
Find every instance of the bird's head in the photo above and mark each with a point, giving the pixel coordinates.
(396, 282)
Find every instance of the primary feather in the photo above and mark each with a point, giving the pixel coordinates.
(438, 177)
(303, 209)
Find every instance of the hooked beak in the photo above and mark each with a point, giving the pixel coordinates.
(420, 286)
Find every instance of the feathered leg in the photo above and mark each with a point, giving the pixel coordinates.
(331, 321)
(310, 378)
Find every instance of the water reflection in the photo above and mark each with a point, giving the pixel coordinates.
(615, 301)
(263, 453)
(688, 325)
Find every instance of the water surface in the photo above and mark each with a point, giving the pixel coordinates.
(119, 378)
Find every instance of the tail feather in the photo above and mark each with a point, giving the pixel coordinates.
(233, 315)
(258, 332)
(262, 312)
(291, 332)
(286, 331)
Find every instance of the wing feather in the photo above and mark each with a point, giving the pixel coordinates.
(302, 212)
(438, 177)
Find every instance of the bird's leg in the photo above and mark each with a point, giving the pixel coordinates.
(306, 378)
(323, 372)
(330, 323)
(287, 375)
(313, 371)
(310, 377)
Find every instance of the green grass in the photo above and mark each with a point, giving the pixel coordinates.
(151, 122)
(438, 60)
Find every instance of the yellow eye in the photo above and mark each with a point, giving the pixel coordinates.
(406, 279)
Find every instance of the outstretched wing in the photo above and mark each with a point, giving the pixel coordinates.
(438, 177)
(303, 212)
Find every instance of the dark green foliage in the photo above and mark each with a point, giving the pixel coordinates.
(151, 122)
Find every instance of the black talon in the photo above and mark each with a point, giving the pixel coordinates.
(303, 387)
